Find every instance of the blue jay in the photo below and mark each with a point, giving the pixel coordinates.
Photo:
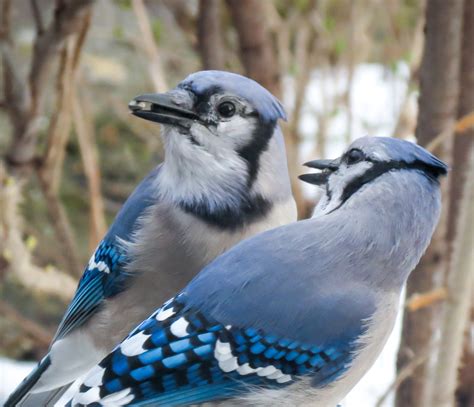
(224, 178)
(295, 315)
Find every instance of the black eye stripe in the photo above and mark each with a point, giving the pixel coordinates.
(382, 167)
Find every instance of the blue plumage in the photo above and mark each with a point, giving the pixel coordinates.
(103, 278)
(170, 364)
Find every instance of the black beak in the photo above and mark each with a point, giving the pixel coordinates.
(320, 178)
(331, 165)
(162, 108)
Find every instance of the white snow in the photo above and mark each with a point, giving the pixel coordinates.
(11, 374)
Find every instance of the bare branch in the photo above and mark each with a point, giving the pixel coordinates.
(155, 66)
(49, 172)
(67, 19)
(404, 374)
(61, 120)
(16, 253)
(418, 301)
(85, 135)
(37, 17)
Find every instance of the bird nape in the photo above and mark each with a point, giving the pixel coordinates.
(295, 315)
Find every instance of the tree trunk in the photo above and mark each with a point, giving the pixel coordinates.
(456, 308)
(256, 48)
(462, 145)
(210, 35)
(439, 75)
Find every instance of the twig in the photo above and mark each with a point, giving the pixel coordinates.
(37, 17)
(404, 374)
(85, 135)
(49, 172)
(66, 20)
(460, 126)
(15, 252)
(155, 67)
(36, 331)
(61, 120)
(418, 301)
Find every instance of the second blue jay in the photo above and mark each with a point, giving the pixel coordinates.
(295, 315)
(224, 178)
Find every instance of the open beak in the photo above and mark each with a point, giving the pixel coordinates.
(161, 108)
(320, 178)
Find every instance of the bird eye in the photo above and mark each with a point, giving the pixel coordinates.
(226, 109)
(354, 156)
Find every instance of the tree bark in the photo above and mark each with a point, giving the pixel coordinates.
(210, 35)
(439, 75)
(25, 105)
(256, 48)
(462, 145)
(456, 308)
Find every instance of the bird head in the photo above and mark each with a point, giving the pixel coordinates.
(365, 160)
(222, 142)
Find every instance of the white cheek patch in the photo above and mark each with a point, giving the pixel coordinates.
(212, 174)
(237, 131)
(337, 183)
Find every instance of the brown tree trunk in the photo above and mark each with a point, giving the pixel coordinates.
(439, 75)
(462, 145)
(256, 48)
(210, 35)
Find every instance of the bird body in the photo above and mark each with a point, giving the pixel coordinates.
(295, 315)
(224, 178)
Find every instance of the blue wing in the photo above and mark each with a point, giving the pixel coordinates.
(180, 356)
(105, 275)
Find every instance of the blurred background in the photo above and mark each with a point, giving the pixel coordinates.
(70, 153)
